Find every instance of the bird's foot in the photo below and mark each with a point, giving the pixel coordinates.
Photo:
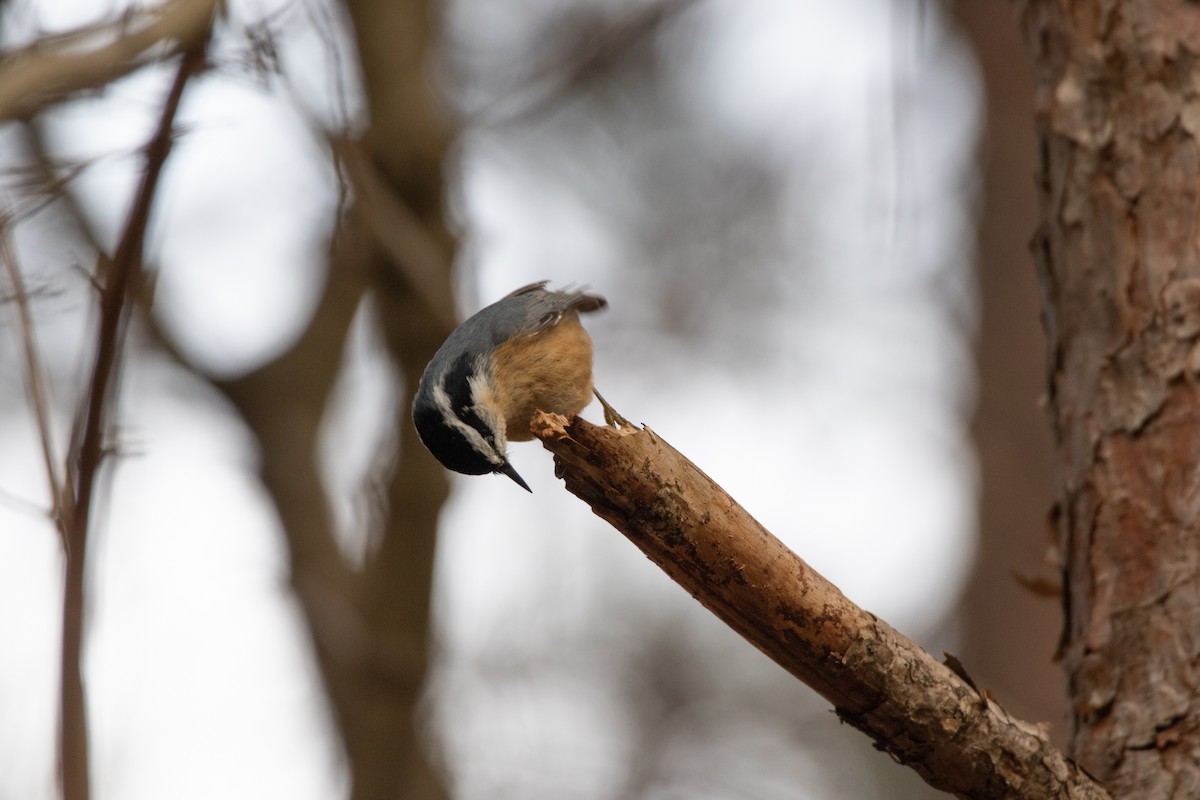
(611, 416)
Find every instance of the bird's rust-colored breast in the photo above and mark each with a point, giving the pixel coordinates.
(548, 371)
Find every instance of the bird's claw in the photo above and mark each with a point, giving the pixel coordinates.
(614, 419)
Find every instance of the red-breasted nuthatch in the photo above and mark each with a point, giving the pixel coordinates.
(526, 352)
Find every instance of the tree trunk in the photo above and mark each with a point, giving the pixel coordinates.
(370, 627)
(400, 197)
(1118, 105)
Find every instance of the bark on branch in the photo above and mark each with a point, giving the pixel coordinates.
(914, 707)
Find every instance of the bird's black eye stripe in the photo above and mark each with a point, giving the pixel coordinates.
(448, 444)
(456, 383)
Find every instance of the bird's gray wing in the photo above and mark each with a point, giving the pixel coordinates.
(543, 309)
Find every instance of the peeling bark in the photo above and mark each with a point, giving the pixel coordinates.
(1119, 261)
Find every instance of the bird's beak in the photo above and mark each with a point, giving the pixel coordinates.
(508, 470)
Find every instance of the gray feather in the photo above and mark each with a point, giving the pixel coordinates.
(526, 311)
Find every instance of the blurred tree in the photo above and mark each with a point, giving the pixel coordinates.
(1009, 633)
(370, 625)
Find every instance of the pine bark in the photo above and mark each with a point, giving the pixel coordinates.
(1118, 110)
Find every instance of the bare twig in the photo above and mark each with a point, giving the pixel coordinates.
(46, 180)
(43, 74)
(23, 505)
(40, 185)
(36, 385)
(117, 276)
(914, 707)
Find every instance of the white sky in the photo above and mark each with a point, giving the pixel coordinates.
(196, 657)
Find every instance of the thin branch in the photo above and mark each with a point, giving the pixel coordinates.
(47, 180)
(117, 276)
(40, 185)
(917, 709)
(37, 386)
(22, 505)
(43, 74)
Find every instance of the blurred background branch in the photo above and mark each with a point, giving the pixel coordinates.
(36, 386)
(74, 500)
(54, 68)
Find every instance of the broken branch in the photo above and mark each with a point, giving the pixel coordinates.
(879, 681)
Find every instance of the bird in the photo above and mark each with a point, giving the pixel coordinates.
(526, 352)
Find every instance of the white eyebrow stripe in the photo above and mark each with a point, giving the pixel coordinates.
(484, 406)
(442, 401)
